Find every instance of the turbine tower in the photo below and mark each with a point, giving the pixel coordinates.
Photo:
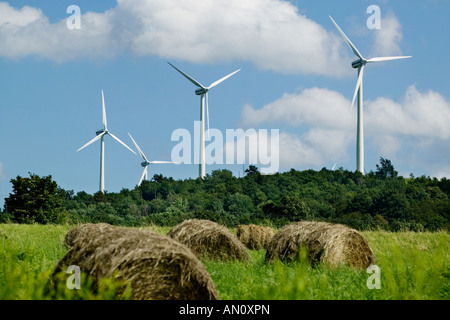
(202, 91)
(101, 136)
(360, 64)
(146, 163)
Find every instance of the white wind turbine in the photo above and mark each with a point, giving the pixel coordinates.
(359, 64)
(202, 91)
(101, 135)
(146, 163)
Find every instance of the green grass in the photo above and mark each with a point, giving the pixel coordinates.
(412, 265)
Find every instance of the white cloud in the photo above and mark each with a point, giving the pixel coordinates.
(316, 149)
(443, 172)
(325, 116)
(418, 115)
(389, 37)
(416, 126)
(259, 147)
(315, 106)
(28, 31)
(271, 34)
(14, 19)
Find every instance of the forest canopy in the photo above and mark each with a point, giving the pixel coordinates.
(377, 200)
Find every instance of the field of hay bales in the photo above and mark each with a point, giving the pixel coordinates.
(412, 266)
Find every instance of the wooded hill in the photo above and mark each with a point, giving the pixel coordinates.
(377, 200)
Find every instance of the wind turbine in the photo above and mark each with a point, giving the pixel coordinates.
(202, 91)
(101, 136)
(360, 64)
(146, 163)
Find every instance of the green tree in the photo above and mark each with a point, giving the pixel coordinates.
(35, 200)
(390, 204)
(361, 202)
(252, 170)
(294, 208)
(385, 170)
(148, 190)
(83, 197)
(239, 204)
(269, 209)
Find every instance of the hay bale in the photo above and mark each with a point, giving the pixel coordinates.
(255, 237)
(210, 240)
(331, 244)
(155, 266)
(88, 230)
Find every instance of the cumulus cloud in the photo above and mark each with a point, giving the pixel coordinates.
(258, 147)
(321, 114)
(314, 106)
(11, 18)
(442, 172)
(271, 34)
(389, 37)
(315, 149)
(416, 125)
(27, 31)
(419, 115)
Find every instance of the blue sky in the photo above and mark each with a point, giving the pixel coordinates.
(296, 77)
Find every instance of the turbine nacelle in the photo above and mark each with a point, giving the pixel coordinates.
(359, 63)
(99, 132)
(201, 91)
(145, 164)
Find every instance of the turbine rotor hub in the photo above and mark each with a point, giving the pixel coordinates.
(201, 91)
(359, 63)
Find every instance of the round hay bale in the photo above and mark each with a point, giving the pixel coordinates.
(155, 266)
(88, 230)
(331, 244)
(255, 237)
(210, 240)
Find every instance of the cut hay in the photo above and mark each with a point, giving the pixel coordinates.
(154, 266)
(331, 244)
(88, 230)
(209, 240)
(255, 237)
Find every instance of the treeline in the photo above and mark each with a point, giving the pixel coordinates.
(377, 200)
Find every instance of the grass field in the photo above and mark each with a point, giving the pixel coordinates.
(412, 266)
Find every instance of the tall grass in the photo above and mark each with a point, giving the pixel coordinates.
(28, 254)
(412, 265)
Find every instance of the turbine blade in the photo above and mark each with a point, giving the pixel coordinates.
(105, 122)
(223, 79)
(380, 59)
(118, 140)
(144, 173)
(138, 149)
(350, 44)
(195, 82)
(358, 86)
(162, 162)
(92, 141)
